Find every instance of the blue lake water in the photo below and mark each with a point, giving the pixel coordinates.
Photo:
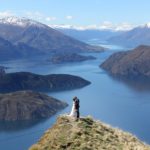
(121, 104)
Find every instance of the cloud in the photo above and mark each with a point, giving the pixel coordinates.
(69, 17)
(38, 16)
(106, 25)
(33, 15)
(50, 18)
(6, 14)
(124, 26)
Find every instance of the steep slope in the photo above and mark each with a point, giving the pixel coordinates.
(86, 134)
(28, 105)
(135, 37)
(40, 36)
(134, 63)
(10, 51)
(7, 50)
(28, 81)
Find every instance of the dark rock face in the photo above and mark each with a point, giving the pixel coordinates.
(28, 105)
(28, 81)
(133, 63)
(70, 57)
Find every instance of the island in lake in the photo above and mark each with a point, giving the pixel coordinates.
(69, 58)
(28, 105)
(130, 64)
(10, 82)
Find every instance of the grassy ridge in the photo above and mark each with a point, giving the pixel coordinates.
(86, 134)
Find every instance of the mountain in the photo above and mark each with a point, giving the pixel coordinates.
(40, 36)
(10, 51)
(86, 134)
(89, 34)
(69, 58)
(28, 105)
(11, 82)
(135, 37)
(134, 63)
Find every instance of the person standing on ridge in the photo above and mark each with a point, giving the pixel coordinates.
(77, 106)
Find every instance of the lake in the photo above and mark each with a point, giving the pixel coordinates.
(118, 103)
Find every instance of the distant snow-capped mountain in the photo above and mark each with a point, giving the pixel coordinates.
(22, 22)
(29, 35)
(89, 34)
(135, 37)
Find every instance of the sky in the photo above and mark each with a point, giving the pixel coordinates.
(80, 13)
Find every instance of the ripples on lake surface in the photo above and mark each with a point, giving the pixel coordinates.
(107, 99)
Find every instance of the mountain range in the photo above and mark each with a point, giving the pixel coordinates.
(88, 34)
(133, 38)
(139, 35)
(23, 37)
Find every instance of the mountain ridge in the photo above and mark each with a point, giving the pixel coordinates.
(137, 36)
(40, 36)
(86, 134)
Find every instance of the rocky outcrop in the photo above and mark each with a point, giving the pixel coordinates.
(131, 64)
(69, 58)
(86, 134)
(28, 105)
(11, 82)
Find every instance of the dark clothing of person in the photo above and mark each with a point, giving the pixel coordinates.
(77, 106)
(78, 113)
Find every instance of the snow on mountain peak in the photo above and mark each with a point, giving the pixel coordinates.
(22, 22)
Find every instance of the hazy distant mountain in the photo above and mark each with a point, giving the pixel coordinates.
(131, 64)
(88, 34)
(39, 36)
(135, 37)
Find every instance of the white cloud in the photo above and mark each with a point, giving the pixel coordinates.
(33, 15)
(124, 26)
(69, 17)
(6, 14)
(38, 16)
(50, 18)
(106, 25)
